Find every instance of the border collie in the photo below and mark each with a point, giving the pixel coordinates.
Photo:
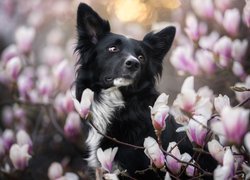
(122, 72)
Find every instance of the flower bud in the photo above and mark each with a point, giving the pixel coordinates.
(24, 38)
(106, 158)
(190, 170)
(55, 171)
(206, 61)
(8, 138)
(239, 49)
(72, 126)
(153, 151)
(13, 67)
(204, 9)
(231, 21)
(83, 107)
(9, 52)
(221, 102)
(173, 165)
(19, 156)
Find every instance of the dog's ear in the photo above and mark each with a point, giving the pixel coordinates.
(160, 42)
(90, 26)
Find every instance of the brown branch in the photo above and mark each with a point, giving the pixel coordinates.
(242, 103)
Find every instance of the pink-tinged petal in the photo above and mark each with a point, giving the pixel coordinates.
(222, 173)
(190, 170)
(106, 158)
(228, 160)
(8, 53)
(23, 138)
(203, 107)
(246, 13)
(231, 21)
(239, 49)
(204, 9)
(223, 47)
(238, 69)
(72, 126)
(24, 37)
(221, 102)
(13, 67)
(216, 150)
(207, 42)
(172, 164)
(8, 138)
(235, 122)
(55, 171)
(206, 61)
(19, 156)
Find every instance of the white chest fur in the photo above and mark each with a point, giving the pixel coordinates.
(102, 111)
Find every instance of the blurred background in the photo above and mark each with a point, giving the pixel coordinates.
(40, 35)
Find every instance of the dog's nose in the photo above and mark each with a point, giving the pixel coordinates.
(132, 64)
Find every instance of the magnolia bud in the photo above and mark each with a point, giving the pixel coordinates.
(55, 171)
(13, 67)
(19, 156)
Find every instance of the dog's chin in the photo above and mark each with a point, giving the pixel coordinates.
(121, 82)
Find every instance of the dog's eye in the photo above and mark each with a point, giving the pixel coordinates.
(141, 57)
(113, 49)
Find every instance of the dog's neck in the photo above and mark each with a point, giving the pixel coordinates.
(103, 108)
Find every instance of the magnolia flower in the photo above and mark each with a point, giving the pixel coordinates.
(63, 75)
(55, 171)
(19, 156)
(24, 38)
(173, 165)
(246, 141)
(8, 138)
(23, 138)
(227, 170)
(207, 42)
(203, 8)
(45, 86)
(194, 29)
(153, 152)
(233, 124)
(24, 84)
(206, 61)
(222, 5)
(239, 49)
(72, 126)
(13, 67)
(183, 61)
(159, 112)
(196, 131)
(216, 150)
(223, 48)
(231, 21)
(241, 96)
(238, 70)
(246, 13)
(83, 107)
(190, 170)
(8, 53)
(221, 102)
(106, 158)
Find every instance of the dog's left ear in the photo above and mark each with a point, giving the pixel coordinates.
(160, 42)
(90, 26)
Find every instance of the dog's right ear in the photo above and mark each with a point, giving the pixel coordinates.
(90, 26)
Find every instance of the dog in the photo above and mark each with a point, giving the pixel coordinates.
(122, 72)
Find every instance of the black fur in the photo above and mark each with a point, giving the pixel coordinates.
(96, 66)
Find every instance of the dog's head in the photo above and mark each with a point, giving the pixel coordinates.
(107, 59)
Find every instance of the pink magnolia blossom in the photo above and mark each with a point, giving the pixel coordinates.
(190, 170)
(24, 84)
(238, 70)
(72, 126)
(246, 13)
(153, 152)
(24, 38)
(19, 156)
(231, 21)
(8, 138)
(173, 165)
(45, 86)
(23, 138)
(159, 112)
(239, 49)
(55, 171)
(106, 158)
(221, 102)
(226, 171)
(13, 67)
(9, 52)
(194, 29)
(206, 61)
(216, 150)
(83, 107)
(207, 42)
(222, 5)
(183, 61)
(223, 48)
(196, 131)
(204, 9)
(241, 96)
(247, 141)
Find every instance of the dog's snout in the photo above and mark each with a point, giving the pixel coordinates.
(132, 64)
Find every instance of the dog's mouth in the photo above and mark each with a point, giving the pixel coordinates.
(119, 81)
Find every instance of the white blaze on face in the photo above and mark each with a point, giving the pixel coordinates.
(118, 82)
